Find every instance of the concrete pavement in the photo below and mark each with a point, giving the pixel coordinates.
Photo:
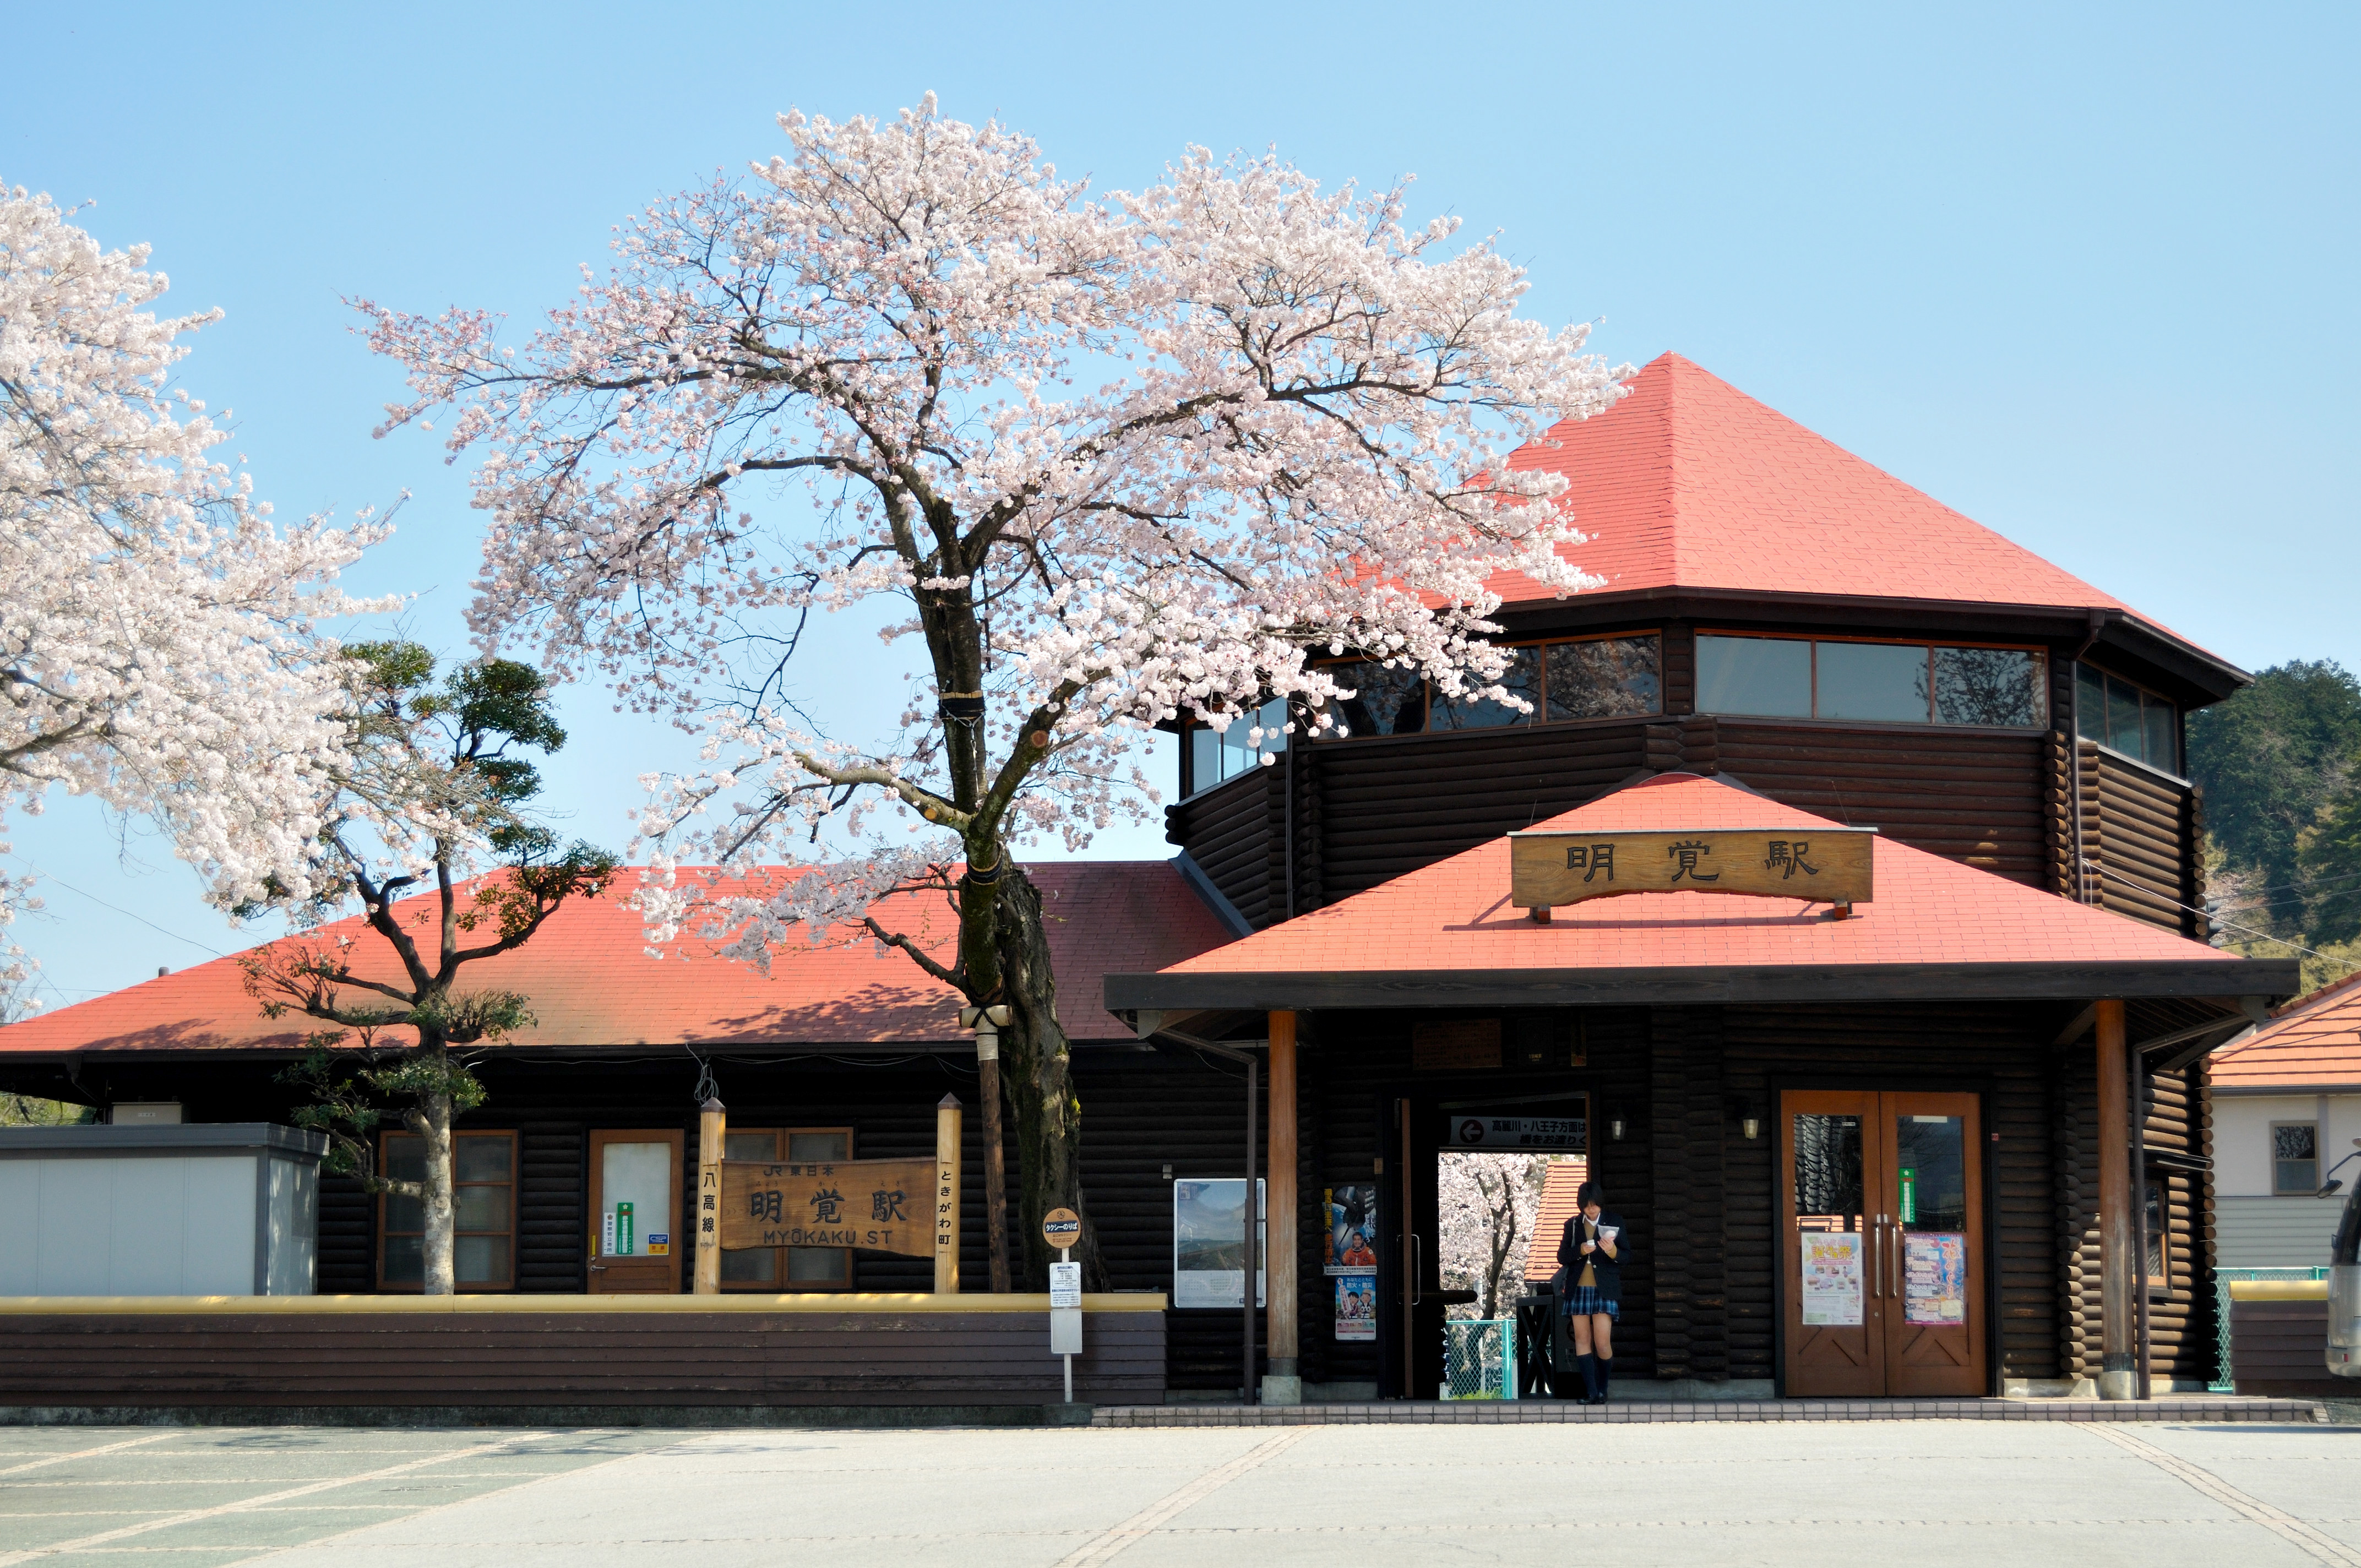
(1917, 1493)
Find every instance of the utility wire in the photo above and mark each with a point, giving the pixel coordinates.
(2233, 924)
(52, 877)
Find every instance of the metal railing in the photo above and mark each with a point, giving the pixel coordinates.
(1479, 1359)
(2224, 1381)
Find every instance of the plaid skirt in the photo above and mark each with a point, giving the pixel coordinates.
(1583, 1301)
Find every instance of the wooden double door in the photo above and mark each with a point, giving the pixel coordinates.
(1881, 1231)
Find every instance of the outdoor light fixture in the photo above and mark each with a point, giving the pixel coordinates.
(1754, 1125)
(1615, 1129)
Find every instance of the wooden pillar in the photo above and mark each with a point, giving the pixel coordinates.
(2117, 1267)
(947, 1195)
(712, 1138)
(1284, 1383)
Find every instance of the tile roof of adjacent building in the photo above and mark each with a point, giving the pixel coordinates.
(590, 982)
(1689, 483)
(1456, 916)
(1564, 1179)
(2313, 1043)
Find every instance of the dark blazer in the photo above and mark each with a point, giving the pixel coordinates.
(1609, 1270)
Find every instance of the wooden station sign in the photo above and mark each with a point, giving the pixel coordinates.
(886, 1205)
(1825, 865)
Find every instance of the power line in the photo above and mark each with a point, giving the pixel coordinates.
(49, 877)
(2233, 924)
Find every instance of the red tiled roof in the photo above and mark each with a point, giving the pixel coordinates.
(1689, 483)
(591, 983)
(1564, 1179)
(2314, 1043)
(1456, 915)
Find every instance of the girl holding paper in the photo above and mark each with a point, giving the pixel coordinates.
(1593, 1251)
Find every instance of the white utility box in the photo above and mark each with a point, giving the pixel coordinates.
(228, 1208)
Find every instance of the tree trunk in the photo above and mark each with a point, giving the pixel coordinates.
(1038, 1079)
(434, 1114)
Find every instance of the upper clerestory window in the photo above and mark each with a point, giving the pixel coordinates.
(2123, 717)
(1598, 677)
(1876, 683)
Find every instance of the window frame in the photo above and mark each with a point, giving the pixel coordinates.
(2040, 686)
(2311, 1126)
(1533, 720)
(2159, 1236)
(515, 1184)
(782, 1283)
(2171, 768)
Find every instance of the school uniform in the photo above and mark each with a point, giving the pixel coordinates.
(1594, 1284)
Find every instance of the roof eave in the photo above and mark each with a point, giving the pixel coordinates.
(1675, 985)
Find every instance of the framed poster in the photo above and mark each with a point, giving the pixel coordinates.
(1831, 1279)
(1352, 1236)
(1357, 1307)
(1209, 1242)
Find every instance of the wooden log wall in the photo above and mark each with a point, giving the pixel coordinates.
(1688, 1114)
(603, 1359)
(2148, 837)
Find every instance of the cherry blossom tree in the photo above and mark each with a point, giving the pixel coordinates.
(1121, 460)
(1489, 1202)
(158, 636)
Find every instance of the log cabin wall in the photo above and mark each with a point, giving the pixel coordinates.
(1338, 817)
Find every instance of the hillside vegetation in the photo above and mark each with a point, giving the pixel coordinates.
(2280, 766)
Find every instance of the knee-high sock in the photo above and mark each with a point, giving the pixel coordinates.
(1588, 1366)
(1604, 1368)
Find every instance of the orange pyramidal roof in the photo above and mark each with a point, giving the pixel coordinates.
(1688, 483)
(1455, 916)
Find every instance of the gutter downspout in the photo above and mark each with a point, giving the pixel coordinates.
(2098, 623)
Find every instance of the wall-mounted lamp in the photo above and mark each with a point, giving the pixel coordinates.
(1754, 1125)
(1615, 1129)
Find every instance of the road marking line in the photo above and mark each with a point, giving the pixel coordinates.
(2326, 1548)
(1145, 1521)
(87, 1452)
(101, 1539)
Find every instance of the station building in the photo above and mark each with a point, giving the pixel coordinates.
(1949, 1134)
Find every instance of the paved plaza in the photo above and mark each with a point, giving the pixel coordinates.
(1924, 1493)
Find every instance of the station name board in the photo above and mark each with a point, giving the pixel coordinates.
(1824, 866)
(886, 1205)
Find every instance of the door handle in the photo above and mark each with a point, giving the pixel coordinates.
(1896, 1251)
(1417, 1268)
(1869, 1236)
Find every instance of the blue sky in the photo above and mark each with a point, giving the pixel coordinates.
(2085, 275)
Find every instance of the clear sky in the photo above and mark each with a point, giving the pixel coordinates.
(2085, 273)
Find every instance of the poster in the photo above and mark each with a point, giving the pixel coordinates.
(1357, 1307)
(1352, 1246)
(1209, 1242)
(1831, 1292)
(1934, 1277)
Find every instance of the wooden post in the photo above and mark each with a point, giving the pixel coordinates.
(1283, 1385)
(2117, 1266)
(712, 1139)
(947, 1195)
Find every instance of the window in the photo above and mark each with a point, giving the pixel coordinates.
(787, 1267)
(1599, 677)
(483, 1194)
(2125, 717)
(1218, 755)
(1873, 682)
(2159, 1250)
(2295, 1158)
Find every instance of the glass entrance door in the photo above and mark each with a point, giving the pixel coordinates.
(634, 1213)
(1882, 1212)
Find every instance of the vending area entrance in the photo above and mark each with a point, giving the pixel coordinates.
(1882, 1218)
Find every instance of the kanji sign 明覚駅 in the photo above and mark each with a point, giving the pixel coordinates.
(1826, 865)
(884, 1205)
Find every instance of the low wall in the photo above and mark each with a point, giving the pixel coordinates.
(572, 1351)
(2278, 1339)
